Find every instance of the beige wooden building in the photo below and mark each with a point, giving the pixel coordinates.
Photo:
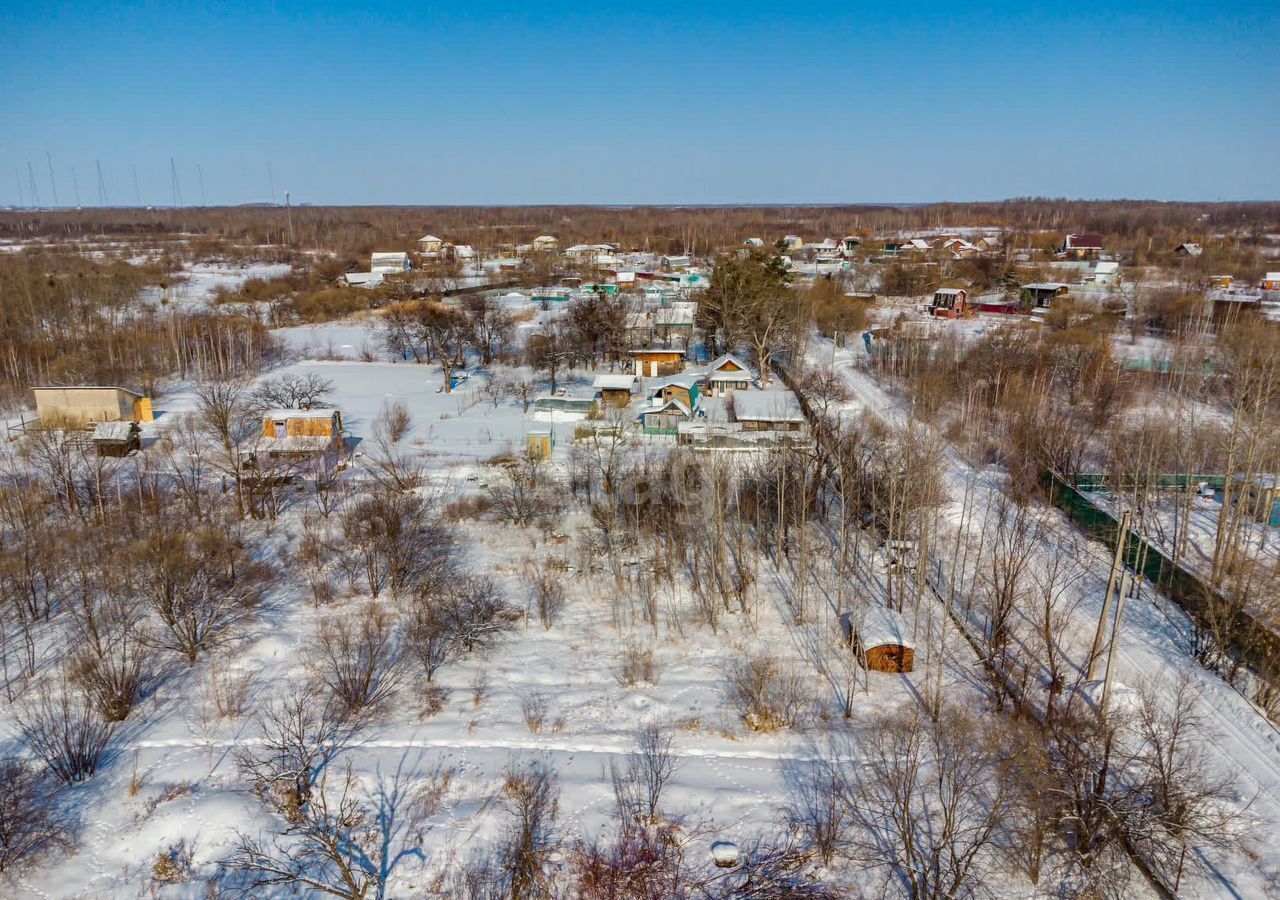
(89, 404)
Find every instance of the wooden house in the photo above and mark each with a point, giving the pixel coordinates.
(685, 388)
(1271, 281)
(88, 404)
(545, 243)
(949, 303)
(1080, 246)
(883, 642)
(657, 361)
(768, 411)
(728, 374)
(430, 246)
(665, 416)
(117, 439)
(1221, 282)
(302, 433)
(616, 390)
(1043, 293)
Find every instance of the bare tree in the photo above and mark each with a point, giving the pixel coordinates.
(62, 728)
(641, 779)
(344, 843)
(300, 732)
(293, 391)
(29, 820)
(530, 798)
(358, 657)
(932, 797)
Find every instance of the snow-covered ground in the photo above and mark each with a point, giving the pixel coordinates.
(1242, 742)
(196, 284)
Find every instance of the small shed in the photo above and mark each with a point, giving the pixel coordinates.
(656, 361)
(1188, 249)
(615, 389)
(539, 443)
(84, 404)
(117, 439)
(882, 640)
(674, 263)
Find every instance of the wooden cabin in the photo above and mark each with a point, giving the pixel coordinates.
(664, 417)
(89, 404)
(1043, 293)
(728, 374)
(685, 388)
(1221, 282)
(1080, 246)
(768, 411)
(655, 362)
(302, 433)
(616, 390)
(882, 641)
(949, 303)
(117, 439)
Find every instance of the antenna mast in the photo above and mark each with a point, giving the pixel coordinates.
(174, 185)
(31, 183)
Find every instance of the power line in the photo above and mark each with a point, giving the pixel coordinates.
(53, 184)
(175, 186)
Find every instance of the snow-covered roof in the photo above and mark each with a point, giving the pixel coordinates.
(614, 382)
(625, 277)
(363, 279)
(319, 413)
(430, 239)
(882, 627)
(113, 431)
(1106, 268)
(949, 292)
(298, 443)
(1272, 276)
(744, 371)
(1044, 286)
(673, 315)
(767, 406)
(674, 401)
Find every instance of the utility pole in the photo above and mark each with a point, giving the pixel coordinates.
(1117, 565)
(75, 186)
(31, 183)
(288, 213)
(102, 185)
(53, 184)
(1125, 582)
(200, 172)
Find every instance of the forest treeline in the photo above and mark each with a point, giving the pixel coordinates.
(1129, 226)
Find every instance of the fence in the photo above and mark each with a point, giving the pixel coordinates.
(1255, 642)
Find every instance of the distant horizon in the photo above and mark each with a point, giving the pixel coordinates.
(835, 204)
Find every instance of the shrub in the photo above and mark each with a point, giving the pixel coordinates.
(767, 694)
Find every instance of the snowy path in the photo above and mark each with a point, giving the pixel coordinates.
(1242, 741)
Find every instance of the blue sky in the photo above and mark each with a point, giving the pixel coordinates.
(658, 103)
